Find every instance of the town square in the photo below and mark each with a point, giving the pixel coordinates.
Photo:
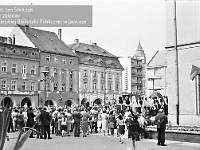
(100, 75)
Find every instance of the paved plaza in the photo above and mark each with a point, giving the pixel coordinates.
(96, 142)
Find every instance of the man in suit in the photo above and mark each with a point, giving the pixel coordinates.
(161, 121)
(46, 120)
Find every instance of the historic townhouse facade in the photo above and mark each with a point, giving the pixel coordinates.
(18, 75)
(60, 65)
(100, 74)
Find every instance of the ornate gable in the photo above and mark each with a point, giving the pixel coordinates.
(99, 60)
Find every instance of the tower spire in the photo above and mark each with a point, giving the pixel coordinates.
(139, 48)
(139, 51)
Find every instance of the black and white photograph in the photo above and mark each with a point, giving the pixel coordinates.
(99, 74)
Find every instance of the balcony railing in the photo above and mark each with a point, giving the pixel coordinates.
(136, 65)
(137, 74)
(136, 82)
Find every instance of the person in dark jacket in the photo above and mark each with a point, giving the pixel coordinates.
(38, 122)
(30, 121)
(46, 120)
(133, 128)
(77, 120)
(161, 121)
(112, 122)
(10, 126)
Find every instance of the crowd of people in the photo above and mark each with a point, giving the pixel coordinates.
(78, 120)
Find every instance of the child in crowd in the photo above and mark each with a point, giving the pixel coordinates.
(64, 125)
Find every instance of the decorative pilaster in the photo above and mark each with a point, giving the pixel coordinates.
(51, 71)
(59, 80)
(98, 80)
(106, 81)
(80, 81)
(91, 79)
(113, 88)
(75, 80)
(120, 82)
(41, 77)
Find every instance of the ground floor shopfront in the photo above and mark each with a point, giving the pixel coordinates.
(88, 99)
(35, 99)
(18, 99)
(58, 99)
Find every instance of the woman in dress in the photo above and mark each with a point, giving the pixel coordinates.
(14, 116)
(104, 120)
(69, 121)
(84, 122)
(121, 128)
(99, 122)
(58, 120)
(112, 122)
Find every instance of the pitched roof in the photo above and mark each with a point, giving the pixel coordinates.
(159, 59)
(91, 49)
(46, 41)
(19, 51)
(95, 55)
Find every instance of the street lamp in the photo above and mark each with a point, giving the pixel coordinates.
(46, 73)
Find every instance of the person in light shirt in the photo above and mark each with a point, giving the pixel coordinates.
(127, 113)
(104, 120)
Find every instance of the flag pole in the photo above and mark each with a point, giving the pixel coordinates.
(176, 63)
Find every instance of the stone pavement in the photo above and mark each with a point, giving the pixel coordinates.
(96, 142)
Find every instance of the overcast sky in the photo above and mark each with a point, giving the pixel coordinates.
(118, 25)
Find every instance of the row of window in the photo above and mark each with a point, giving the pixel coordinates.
(85, 86)
(55, 87)
(94, 74)
(32, 86)
(63, 73)
(56, 60)
(14, 85)
(102, 74)
(4, 68)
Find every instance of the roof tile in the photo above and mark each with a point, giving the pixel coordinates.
(46, 40)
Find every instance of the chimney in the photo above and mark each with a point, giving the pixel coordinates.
(59, 33)
(9, 40)
(76, 41)
(13, 39)
(26, 27)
